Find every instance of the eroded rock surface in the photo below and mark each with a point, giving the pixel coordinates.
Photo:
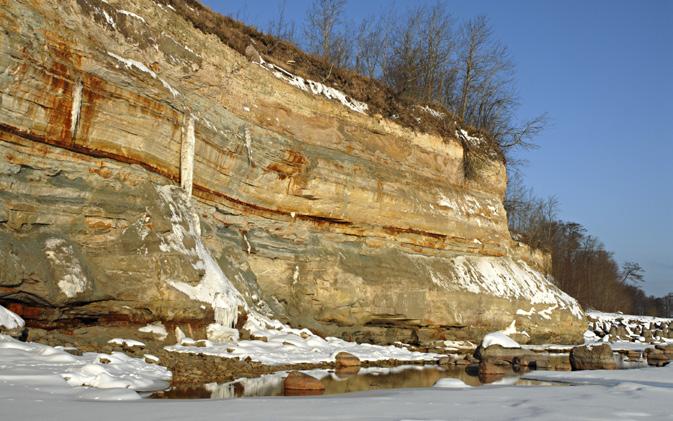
(319, 214)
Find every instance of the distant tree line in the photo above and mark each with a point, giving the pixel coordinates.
(422, 54)
(580, 264)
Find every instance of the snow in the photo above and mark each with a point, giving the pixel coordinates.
(626, 319)
(432, 112)
(27, 369)
(76, 106)
(214, 287)
(61, 255)
(513, 279)
(131, 14)
(528, 313)
(650, 376)
(109, 19)
(472, 140)
(633, 325)
(499, 338)
(285, 345)
(130, 64)
(315, 88)
(10, 320)
(151, 357)
(126, 342)
(170, 89)
(156, 328)
(458, 345)
(450, 383)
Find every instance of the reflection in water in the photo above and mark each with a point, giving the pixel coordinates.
(340, 381)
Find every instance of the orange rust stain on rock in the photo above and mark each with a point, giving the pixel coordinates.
(58, 79)
(60, 49)
(101, 171)
(60, 112)
(99, 224)
(292, 164)
(26, 312)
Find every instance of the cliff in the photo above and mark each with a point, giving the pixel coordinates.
(319, 211)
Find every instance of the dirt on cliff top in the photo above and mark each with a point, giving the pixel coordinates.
(379, 98)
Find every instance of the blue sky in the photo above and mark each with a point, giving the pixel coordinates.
(603, 71)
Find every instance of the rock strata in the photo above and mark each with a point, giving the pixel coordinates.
(319, 214)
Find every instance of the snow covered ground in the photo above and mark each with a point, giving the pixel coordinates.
(285, 345)
(625, 318)
(39, 382)
(616, 395)
(27, 369)
(627, 327)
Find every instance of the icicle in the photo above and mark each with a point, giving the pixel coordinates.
(187, 156)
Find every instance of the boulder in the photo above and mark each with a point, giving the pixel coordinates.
(656, 358)
(345, 359)
(553, 362)
(592, 357)
(296, 381)
(667, 349)
(511, 355)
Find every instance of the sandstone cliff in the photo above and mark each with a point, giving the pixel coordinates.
(320, 213)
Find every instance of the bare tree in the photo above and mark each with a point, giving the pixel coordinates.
(486, 97)
(419, 57)
(632, 271)
(324, 34)
(280, 27)
(372, 41)
(474, 38)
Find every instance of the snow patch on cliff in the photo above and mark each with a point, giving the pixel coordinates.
(432, 112)
(62, 258)
(131, 14)
(472, 140)
(130, 64)
(314, 87)
(214, 287)
(507, 278)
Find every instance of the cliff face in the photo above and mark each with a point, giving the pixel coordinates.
(319, 213)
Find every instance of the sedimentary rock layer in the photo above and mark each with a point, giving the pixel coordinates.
(319, 213)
